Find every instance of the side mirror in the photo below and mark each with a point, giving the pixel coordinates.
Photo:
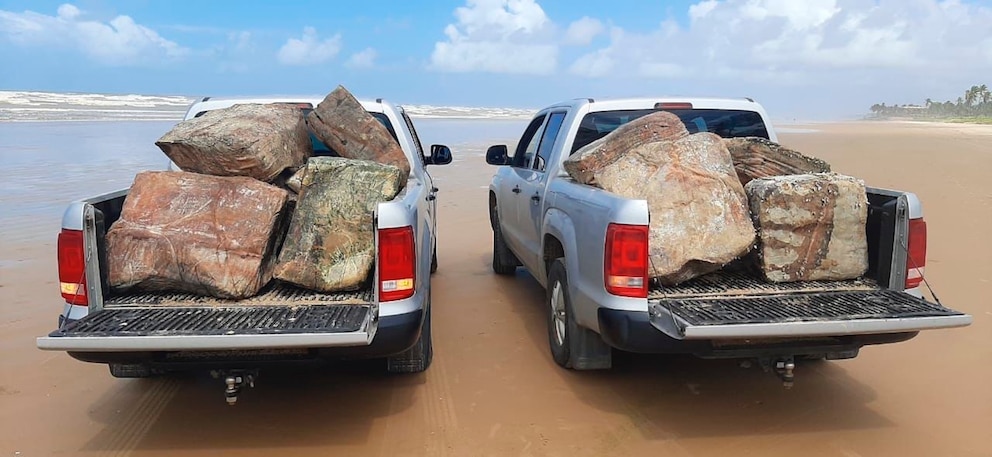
(440, 155)
(497, 155)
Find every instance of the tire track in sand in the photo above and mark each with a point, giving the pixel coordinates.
(127, 432)
(439, 410)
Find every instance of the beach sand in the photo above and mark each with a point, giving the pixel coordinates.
(493, 388)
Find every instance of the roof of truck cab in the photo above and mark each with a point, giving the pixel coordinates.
(611, 104)
(212, 103)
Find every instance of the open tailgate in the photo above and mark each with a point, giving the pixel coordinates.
(216, 328)
(731, 307)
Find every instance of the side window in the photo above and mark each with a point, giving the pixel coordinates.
(548, 140)
(527, 147)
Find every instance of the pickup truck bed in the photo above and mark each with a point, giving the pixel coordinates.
(739, 305)
(281, 315)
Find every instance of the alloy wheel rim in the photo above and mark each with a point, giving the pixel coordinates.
(558, 312)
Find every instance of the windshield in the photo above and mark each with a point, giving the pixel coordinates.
(726, 123)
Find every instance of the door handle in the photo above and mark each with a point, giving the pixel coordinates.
(431, 197)
(516, 189)
(535, 198)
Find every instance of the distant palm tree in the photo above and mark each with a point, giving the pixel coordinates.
(970, 95)
(984, 94)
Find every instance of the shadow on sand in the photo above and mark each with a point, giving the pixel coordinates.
(289, 407)
(668, 396)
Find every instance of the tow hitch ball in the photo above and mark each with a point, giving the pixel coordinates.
(784, 368)
(234, 382)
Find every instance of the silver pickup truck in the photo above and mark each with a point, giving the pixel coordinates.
(566, 233)
(141, 334)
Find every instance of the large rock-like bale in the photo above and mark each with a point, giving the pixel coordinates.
(587, 161)
(330, 244)
(810, 227)
(756, 157)
(184, 231)
(256, 140)
(699, 214)
(348, 129)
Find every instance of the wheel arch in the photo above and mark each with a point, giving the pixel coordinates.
(559, 241)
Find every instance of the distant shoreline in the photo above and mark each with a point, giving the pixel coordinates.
(978, 120)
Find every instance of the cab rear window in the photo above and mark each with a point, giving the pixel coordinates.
(725, 123)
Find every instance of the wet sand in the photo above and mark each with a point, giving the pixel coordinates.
(493, 388)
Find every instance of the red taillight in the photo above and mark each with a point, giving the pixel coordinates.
(626, 260)
(72, 267)
(397, 263)
(916, 259)
(672, 105)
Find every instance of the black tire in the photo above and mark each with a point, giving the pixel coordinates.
(434, 260)
(419, 357)
(571, 345)
(504, 262)
(131, 371)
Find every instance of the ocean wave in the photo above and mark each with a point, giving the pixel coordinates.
(25, 98)
(56, 106)
(467, 112)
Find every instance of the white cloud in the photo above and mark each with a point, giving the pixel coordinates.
(309, 49)
(362, 59)
(498, 36)
(701, 9)
(68, 12)
(119, 41)
(761, 39)
(594, 65)
(583, 31)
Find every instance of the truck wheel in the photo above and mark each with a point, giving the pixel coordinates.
(504, 262)
(571, 346)
(128, 371)
(417, 358)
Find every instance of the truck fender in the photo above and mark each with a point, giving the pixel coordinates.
(557, 225)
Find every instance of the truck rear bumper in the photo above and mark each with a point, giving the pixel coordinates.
(201, 342)
(632, 331)
(394, 334)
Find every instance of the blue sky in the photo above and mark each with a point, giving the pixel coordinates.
(807, 59)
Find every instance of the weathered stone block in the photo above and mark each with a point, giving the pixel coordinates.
(587, 161)
(256, 140)
(699, 213)
(330, 244)
(756, 157)
(810, 226)
(184, 231)
(341, 123)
